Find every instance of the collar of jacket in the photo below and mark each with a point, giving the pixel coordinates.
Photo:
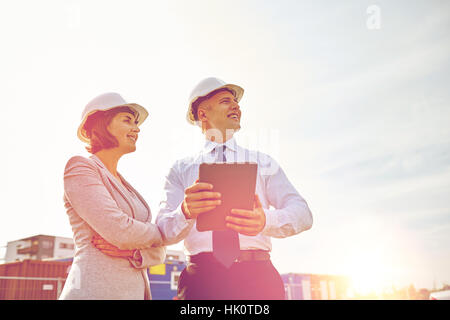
(119, 187)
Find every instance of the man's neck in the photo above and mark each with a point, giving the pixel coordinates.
(219, 136)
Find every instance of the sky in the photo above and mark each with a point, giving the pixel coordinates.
(350, 97)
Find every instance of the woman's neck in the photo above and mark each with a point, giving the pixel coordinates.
(110, 158)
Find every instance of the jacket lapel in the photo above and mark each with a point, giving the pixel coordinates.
(105, 172)
(149, 212)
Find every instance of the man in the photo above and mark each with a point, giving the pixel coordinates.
(232, 264)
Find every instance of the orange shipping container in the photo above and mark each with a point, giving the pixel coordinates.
(45, 279)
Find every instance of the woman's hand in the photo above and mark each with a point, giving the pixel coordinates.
(109, 249)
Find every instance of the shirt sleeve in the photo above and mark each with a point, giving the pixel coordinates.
(91, 200)
(171, 221)
(291, 214)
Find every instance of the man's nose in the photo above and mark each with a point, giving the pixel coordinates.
(235, 106)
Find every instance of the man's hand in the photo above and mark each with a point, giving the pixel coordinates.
(109, 249)
(198, 199)
(246, 222)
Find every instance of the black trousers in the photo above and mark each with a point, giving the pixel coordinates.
(249, 280)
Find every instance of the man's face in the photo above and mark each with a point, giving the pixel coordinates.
(221, 112)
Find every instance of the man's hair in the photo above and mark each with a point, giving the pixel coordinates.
(97, 132)
(194, 107)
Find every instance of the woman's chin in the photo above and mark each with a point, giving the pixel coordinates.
(129, 149)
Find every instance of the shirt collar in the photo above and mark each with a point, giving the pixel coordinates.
(211, 145)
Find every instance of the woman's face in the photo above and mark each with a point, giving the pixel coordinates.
(124, 128)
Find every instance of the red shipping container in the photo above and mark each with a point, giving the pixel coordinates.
(46, 279)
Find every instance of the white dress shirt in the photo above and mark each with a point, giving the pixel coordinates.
(288, 216)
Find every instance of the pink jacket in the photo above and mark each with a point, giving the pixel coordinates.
(97, 203)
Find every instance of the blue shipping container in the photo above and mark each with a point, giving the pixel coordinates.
(164, 283)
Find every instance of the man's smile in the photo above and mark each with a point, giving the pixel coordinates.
(234, 116)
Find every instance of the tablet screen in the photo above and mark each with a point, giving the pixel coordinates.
(236, 182)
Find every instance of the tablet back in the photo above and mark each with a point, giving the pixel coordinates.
(236, 182)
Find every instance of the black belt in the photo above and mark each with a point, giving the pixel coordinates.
(245, 255)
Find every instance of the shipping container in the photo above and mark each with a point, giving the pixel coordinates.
(297, 286)
(329, 287)
(315, 286)
(44, 280)
(33, 279)
(339, 286)
(164, 279)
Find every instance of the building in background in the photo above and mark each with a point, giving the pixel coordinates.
(39, 247)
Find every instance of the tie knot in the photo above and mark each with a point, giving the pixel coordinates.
(220, 150)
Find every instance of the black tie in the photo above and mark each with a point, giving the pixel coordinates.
(225, 243)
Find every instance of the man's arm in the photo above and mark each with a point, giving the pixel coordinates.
(291, 214)
(181, 206)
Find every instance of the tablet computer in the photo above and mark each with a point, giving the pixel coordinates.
(236, 182)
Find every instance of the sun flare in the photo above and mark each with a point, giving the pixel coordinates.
(368, 272)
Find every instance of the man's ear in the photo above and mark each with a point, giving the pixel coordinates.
(201, 114)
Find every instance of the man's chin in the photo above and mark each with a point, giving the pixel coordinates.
(234, 128)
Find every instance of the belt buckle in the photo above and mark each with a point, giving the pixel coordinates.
(238, 259)
(250, 255)
(241, 257)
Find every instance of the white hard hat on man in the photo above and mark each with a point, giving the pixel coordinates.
(205, 87)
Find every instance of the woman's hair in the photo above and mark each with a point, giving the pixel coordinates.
(97, 132)
(194, 107)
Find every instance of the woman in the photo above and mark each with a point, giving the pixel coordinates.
(114, 237)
